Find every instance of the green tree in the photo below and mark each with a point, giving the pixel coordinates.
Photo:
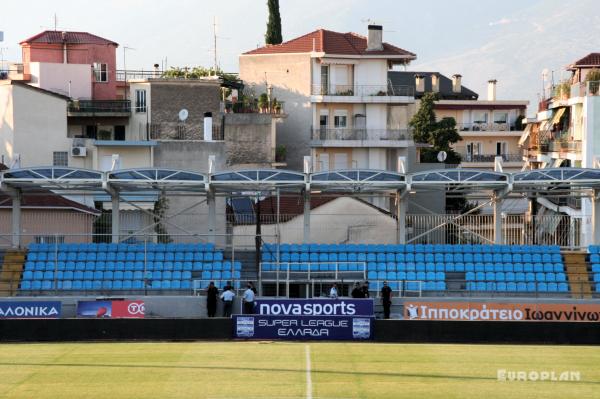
(273, 35)
(160, 211)
(439, 134)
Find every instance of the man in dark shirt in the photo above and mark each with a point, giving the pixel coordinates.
(386, 299)
(357, 292)
(212, 293)
(365, 290)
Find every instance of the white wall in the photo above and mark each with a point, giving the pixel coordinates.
(7, 124)
(371, 72)
(40, 126)
(56, 77)
(136, 130)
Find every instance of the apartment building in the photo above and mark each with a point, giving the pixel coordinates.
(489, 128)
(342, 109)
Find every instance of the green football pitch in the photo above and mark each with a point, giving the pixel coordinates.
(290, 370)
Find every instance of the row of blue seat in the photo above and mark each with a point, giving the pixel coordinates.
(594, 249)
(419, 276)
(411, 248)
(121, 247)
(518, 287)
(421, 266)
(401, 257)
(126, 256)
(46, 285)
(195, 266)
(109, 275)
(510, 276)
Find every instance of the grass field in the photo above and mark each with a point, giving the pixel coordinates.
(289, 370)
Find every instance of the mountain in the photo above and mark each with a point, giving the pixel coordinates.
(546, 36)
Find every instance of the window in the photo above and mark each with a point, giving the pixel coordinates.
(120, 133)
(340, 119)
(140, 101)
(324, 79)
(500, 117)
(501, 148)
(60, 158)
(100, 72)
(473, 151)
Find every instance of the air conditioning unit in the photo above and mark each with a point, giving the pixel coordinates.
(78, 151)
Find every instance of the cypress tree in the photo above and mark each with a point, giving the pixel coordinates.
(273, 35)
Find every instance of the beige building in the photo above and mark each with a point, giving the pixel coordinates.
(342, 109)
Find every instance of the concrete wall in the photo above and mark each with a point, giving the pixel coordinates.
(371, 72)
(7, 124)
(39, 126)
(250, 140)
(57, 77)
(290, 77)
(171, 96)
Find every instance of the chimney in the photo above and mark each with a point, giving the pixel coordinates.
(156, 73)
(64, 40)
(456, 83)
(492, 89)
(420, 83)
(208, 126)
(435, 83)
(375, 38)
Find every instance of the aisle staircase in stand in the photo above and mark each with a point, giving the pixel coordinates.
(10, 274)
(577, 272)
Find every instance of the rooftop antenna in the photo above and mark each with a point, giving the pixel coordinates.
(55, 22)
(215, 41)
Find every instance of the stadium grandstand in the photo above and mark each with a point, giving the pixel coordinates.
(500, 257)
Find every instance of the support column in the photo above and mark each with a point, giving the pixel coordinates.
(306, 238)
(595, 217)
(401, 221)
(16, 219)
(115, 227)
(497, 203)
(212, 215)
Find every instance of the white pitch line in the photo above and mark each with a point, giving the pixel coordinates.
(308, 374)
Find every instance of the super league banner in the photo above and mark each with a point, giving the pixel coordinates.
(303, 327)
(111, 309)
(314, 307)
(30, 310)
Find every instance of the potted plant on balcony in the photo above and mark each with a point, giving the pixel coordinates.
(563, 90)
(263, 102)
(593, 76)
(280, 153)
(276, 106)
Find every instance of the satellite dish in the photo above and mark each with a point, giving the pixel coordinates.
(441, 156)
(183, 114)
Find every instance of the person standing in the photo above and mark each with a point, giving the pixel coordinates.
(357, 292)
(386, 299)
(227, 297)
(212, 293)
(333, 292)
(365, 290)
(248, 299)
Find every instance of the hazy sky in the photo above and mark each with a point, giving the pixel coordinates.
(182, 30)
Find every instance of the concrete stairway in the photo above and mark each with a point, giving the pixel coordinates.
(577, 272)
(12, 269)
(249, 270)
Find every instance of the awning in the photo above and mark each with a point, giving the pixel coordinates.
(525, 135)
(557, 115)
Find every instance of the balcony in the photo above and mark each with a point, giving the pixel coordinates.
(163, 131)
(564, 146)
(508, 129)
(490, 158)
(106, 108)
(253, 107)
(354, 137)
(362, 93)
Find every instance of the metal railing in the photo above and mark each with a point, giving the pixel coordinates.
(468, 157)
(583, 89)
(183, 131)
(99, 106)
(485, 127)
(362, 90)
(360, 134)
(565, 146)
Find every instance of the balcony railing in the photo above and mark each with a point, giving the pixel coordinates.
(564, 146)
(182, 131)
(485, 127)
(362, 90)
(328, 134)
(252, 108)
(99, 106)
(491, 157)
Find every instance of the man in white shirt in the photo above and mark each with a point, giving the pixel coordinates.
(333, 292)
(248, 299)
(227, 297)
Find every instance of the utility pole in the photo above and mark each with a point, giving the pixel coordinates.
(215, 42)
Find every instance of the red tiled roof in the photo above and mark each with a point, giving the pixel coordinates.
(330, 42)
(56, 37)
(47, 200)
(592, 59)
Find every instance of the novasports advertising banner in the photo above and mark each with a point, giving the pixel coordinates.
(303, 327)
(314, 307)
(490, 311)
(111, 309)
(30, 310)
